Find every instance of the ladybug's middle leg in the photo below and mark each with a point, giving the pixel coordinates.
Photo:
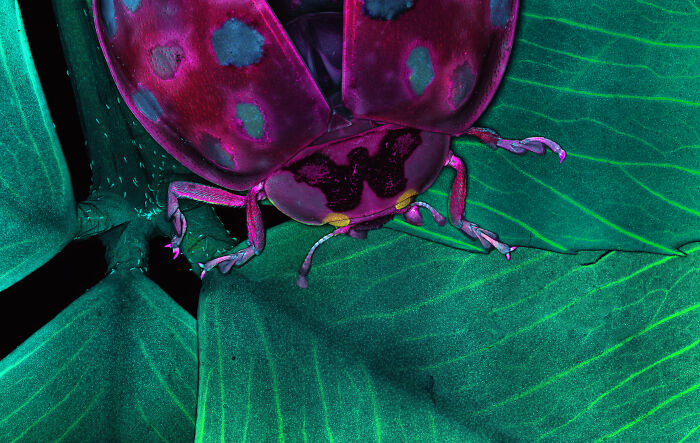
(457, 203)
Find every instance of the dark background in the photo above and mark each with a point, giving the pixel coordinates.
(28, 305)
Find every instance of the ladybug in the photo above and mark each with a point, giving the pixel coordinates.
(338, 112)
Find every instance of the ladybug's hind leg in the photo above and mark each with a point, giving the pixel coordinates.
(457, 202)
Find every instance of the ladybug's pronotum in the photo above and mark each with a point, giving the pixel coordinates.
(337, 112)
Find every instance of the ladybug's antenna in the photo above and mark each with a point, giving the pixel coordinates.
(302, 282)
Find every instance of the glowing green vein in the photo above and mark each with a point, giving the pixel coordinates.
(640, 164)
(202, 405)
(320, 390)
(651, 411)
(53, 377)
(49, 338)
(670, 11)
(375, 409)
(659, 196)
(522, 224)
(248, 402)
(273, 375)
(22, 115)
(164, 384)
(611, 33)
(416, 306)
(445, 238)
(691, 432)
(222, 421)
(41, 100)
(148, 422)
(380, 246)
(169, 325)
(613, 348)
(202, 420)
(620, 384)
(605, 62)
(53, 408)
(592, 213)
(80, 417)
(606, 94)
(304, 437)
(577, 121)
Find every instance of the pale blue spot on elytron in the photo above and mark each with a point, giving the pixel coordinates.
(387, 9)
(214, 152)
(147, 103)
(165, 60)
(108, 17)
(463, 80)
(237, 44)
(500, 13)
(132, 5)
(421, 69)
(252, 119)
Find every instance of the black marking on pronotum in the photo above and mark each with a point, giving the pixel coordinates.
(342, 185)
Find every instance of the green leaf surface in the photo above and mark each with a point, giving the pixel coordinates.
(37, 207)
(400, 339)
(618, 87)
(119, 364)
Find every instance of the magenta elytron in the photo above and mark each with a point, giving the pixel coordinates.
(338, 112)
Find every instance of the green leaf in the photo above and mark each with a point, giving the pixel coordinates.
(619, 90)
(119, 364)
(37, 207)
(402, 339)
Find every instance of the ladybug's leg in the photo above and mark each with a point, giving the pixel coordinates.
(360, 234)
(457, 202)
(302, 282)
(199, 192)
(532, 144)
(412, 215)
(256, 236)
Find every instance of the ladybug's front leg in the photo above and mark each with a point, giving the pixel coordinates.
(457, 202)
(532, 144)
(199, 192)
(256, 236)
